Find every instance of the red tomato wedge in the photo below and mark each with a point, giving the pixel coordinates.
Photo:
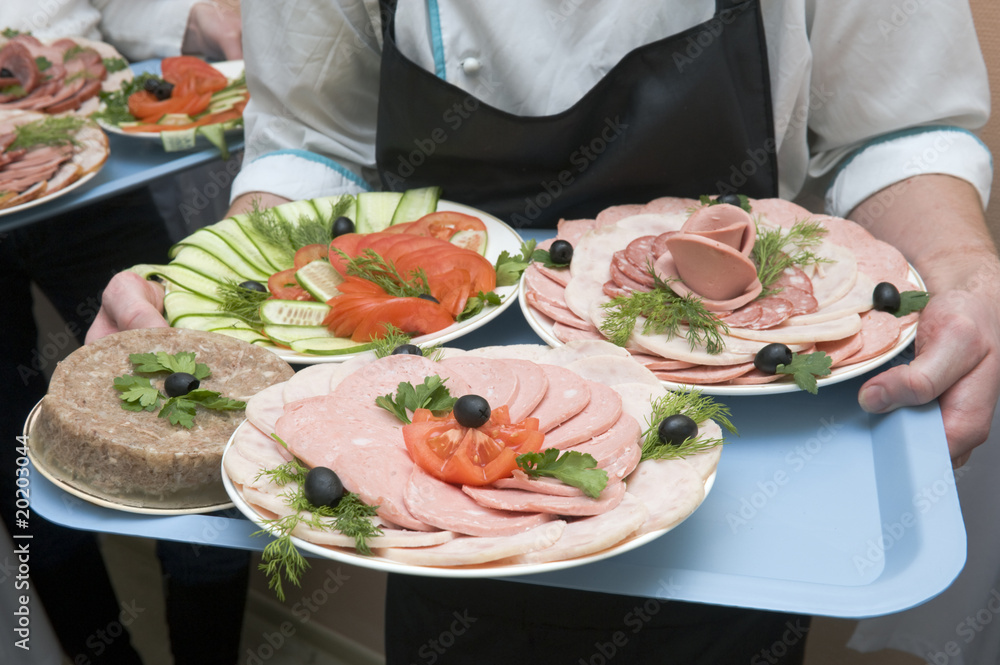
(470, 456)
(444, 224)
(284, 286)
(452, 289)
(147, 108)
(411, 315)
(192, 73)
(310, 253)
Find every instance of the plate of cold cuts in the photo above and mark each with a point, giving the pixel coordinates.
(588, 397)
(43, 157)
(823, 303)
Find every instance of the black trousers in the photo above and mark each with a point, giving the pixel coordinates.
(435, 621)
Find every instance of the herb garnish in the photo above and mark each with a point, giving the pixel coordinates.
(509, 268)
(570, 466)
(115, 110)
(805, 368)
(432, 394)
(113, 65)
(138, 393)
(705, 199)
(694, 405)
(774, 250)
(286, 236)
(476, 303)
(242, 302)
(350, 516)
(48, 131)
(377, 270)
(42, 63)
(664, 312)
(911, 301)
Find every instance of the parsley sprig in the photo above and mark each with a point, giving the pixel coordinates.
(432, 394)
(694, 405)
(911, 301)
(281, 558)
(509, 267)
(569, 466)
(804, 369)
(139, 394)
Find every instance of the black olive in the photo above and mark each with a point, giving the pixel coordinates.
(407, 350)
(151, 85)
(427, 296)
(471, 411)
(251, 285)
(772, 355)
(341, 225)
(164, 90)
(323, 487)
(731, 199)
(6, 73)
(180, 383)
(885, 297)
(561, 252)
(676, 429)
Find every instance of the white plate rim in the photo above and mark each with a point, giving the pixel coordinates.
(467, 572)
(496, 230)
(85, 178)
(542, 325)
(43, 468)
(231, 69)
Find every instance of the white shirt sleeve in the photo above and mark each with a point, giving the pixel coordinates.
(310, 123)
(143, 29)
(905, 84)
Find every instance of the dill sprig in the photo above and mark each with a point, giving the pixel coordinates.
(315, 229)
(372, 267)
(115, 104)
(696, 406)
(242, 302)
(287, 236)
(665, 313)
(774, 250)
(280, 558)
(48, 131)
(394, 337)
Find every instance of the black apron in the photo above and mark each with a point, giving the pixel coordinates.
(684, 116)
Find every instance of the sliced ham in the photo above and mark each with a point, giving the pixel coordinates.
(517, 500)
(670, 490)
(472, 551)
(264, 408)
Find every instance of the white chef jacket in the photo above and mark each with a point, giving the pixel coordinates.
(139, 29)
(865, 92)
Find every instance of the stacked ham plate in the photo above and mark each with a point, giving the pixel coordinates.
(588, 396)
(823, 307)
(38, 171)
(63, 76)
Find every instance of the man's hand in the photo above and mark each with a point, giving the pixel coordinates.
(214, 31)
(129, 302)
(937, 222)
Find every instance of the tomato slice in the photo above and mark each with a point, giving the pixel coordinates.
(444, 224)
(411, 315)
(310, 253)
(284, 286)
(451, 288)
(187, 70)
(470, 456)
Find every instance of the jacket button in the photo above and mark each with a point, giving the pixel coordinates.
(471, 66)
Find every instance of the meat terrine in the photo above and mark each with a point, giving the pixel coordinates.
(84, 437)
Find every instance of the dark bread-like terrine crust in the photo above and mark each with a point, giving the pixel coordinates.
(85, 437)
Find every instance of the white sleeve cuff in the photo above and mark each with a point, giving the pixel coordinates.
(296, 175)
(940, 150)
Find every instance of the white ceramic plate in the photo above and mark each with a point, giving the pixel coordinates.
(230, 68)
(543, 327)
(344, 555)
(89, 496)
(51, 197)
(500, 237)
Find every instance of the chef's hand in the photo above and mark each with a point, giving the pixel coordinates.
(129, 302)
(214, 30)
(937, 221)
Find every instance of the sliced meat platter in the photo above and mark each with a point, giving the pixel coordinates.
(41, 155)
(586, 396)
(825, 305)
(63, 76)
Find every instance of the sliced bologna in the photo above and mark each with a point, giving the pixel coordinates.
(670, 490)
(879, 333)
(532, 384)
(601, 412)
(532, 502)
(472, 551)
(446, 507)
(593, 534)
(565, 397)
(493, 380)
(378, 473)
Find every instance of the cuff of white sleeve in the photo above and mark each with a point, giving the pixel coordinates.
(939, 150)
(296, 175)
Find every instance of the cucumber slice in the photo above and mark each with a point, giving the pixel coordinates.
(279, 257)
(331, 207)
(470, 239)
(294, 312)
(197, 259)
(287, 334)
(209, 322)
(375, 210)
(247, 335)
(212, 244)
(179, 276)
(329, 346)
(416, 203)
(178, 303)
(320, 279)
(236, 238)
